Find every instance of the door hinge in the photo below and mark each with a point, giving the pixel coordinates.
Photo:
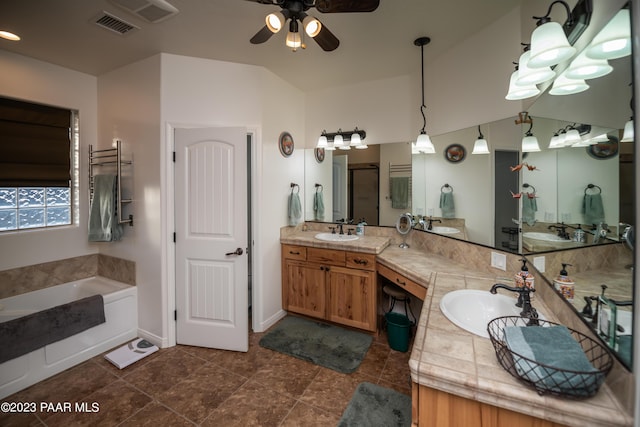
(175, 315)
(174, 157)
(174, 237)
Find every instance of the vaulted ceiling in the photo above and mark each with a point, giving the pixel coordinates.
(373, 45)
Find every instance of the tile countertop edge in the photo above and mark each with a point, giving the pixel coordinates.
(364, 244)
(520, 399)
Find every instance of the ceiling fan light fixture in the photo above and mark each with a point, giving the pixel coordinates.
(293, 36)
(311, 26)
(275, 21)
(7, 35)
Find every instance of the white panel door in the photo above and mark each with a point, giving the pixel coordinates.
(211, 238)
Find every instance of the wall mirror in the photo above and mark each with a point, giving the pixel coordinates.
(491, 214)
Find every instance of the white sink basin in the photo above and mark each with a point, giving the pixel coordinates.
(472, 310)
(546, 237)
(445, 230)
(330, 237)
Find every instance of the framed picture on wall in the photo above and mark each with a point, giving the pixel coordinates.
(285, 143)
(319, 153)
(454, 153)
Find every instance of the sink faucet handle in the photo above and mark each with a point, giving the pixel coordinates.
(333, 230)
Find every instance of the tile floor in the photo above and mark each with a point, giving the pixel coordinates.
(187, 386)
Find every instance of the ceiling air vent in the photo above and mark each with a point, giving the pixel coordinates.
(113, 23)
(150, 10)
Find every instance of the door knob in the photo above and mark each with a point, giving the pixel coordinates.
(236, 252)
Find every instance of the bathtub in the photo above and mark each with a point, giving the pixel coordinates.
(121, 315)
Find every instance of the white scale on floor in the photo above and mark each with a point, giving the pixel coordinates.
(131, 353)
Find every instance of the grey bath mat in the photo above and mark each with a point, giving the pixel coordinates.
(326, 345)
(375, 406)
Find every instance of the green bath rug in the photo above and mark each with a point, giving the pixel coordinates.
(326, 345)
(376, 406)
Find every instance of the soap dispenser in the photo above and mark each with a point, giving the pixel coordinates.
(564, 284)
(578, 235)
(523, 277)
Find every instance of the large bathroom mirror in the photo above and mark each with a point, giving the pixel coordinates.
(482, 185)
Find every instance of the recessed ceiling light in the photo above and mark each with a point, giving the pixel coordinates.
(9, 36)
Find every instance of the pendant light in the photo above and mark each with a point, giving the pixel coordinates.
(614, 40)
(549, 44)
(529, 142)
(480, 146)
(423, 142)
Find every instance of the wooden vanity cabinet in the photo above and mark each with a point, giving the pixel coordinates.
(334, 285)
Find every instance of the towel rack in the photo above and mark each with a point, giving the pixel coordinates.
(591, 187)
(403, 169)
(293, 186)
(319, 188)
(446, 186)
(525, 185)
(110, 157)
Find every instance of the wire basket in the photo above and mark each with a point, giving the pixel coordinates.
(548, 379)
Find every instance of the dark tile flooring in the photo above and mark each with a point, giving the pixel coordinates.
(189, 386)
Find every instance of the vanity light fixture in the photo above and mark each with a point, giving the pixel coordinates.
(480, 146)
(423, 142)
(583, 67)
(614, 40)
(556, 141)
(628, 133)
(563, 85)
(572, 138)
(342, 140)
(517, 92)
(549, 43)
(531, 76)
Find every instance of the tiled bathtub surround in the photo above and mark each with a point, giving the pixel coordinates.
(21, 280)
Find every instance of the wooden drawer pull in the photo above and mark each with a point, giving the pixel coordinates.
(361, 261)
(294, 253)
(400, 282)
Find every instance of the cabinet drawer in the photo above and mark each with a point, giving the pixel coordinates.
(294, 252)
(361, 261)
(326, 256)
(399, 280)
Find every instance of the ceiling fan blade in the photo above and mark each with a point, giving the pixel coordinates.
(261, 36)
(265, 2)
(343, 6)
(326, 40)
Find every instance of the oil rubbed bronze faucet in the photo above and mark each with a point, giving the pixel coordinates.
(524, 301)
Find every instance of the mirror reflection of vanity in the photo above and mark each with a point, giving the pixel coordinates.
(559, 183)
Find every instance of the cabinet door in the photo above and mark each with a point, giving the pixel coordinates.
(306, 291)
(353, 297)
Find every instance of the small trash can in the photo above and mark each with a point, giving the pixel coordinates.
(398, 331)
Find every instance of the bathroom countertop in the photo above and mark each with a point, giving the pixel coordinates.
(450, 359)
(365, 244)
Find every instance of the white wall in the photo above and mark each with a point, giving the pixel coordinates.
(129, 109)
(30, 80)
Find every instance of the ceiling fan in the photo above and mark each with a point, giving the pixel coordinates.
(294, 11)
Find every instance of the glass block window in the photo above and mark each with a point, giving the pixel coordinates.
(33, 207)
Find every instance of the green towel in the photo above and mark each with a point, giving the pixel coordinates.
(399, 192)
(103, 214)
(318, 206)
(294, 209)
(556, 348)
(593, 209)
(529, 209)
(447, 205)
